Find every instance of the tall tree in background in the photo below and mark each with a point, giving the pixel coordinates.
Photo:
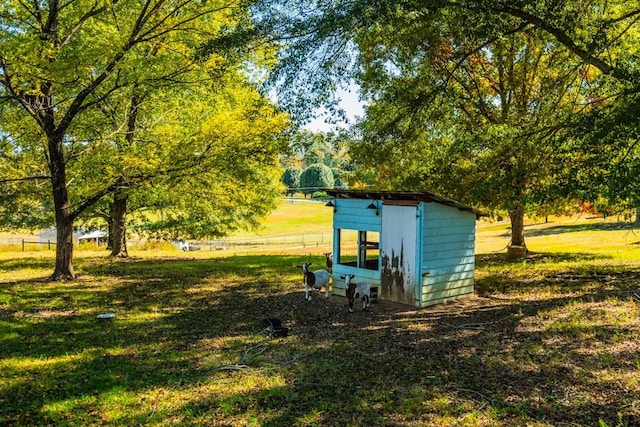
(319, 37)
(307, 148)
(291, 178)
(387, 46)
(205, 151)
(316, 177)
(61, 62)
(481, 128)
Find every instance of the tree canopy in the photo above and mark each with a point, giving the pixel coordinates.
(489, 135)
(102, 97)
(291, 178)
(315, 178)
(507, 103)
(486, 101)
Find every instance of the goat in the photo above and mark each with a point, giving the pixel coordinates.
(329, 260)
(314, 280)
(360, 290)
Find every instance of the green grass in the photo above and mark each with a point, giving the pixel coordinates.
(549, 341)
(289, 218)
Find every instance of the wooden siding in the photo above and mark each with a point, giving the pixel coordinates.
(399, 250)
(448, 253)
(353, 214)
(362, 275)
(447, 295)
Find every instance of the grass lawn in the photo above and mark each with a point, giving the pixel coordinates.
(550, 341)
(296, 217)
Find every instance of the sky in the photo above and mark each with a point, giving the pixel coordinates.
(350, 103)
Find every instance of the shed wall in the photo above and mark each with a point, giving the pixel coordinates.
(352, 214)
(362, 275)
(448, 253)
(445, 241)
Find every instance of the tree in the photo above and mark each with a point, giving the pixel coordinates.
(60, 65)
(375, 41)
(319, 38)
(233, 178)
(338, 180)
(316, 177)
(291, 178)
(216, 169)
(328, 148)
(602, 149)
(487, 136)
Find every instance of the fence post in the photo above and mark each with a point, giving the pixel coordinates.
(22, 245)
(49, 244)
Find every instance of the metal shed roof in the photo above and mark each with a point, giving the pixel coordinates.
(424, 196)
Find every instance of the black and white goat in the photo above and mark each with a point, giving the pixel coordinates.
(314, 280)
(354, 291)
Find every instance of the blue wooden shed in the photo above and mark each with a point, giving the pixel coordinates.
(417, 248)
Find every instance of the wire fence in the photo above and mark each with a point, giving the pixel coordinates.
(248, 244)
(25, 245)
(285, 242)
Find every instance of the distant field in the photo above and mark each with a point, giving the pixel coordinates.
(298, 217)
(305, 227)
(559, 234)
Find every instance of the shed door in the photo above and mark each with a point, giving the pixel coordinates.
(398, 253)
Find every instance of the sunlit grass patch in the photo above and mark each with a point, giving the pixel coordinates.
(35, 364)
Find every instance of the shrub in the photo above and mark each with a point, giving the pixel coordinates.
(291, 178)
(315, 177)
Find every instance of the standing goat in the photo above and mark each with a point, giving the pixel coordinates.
(360, 290)
(314, 280)
(329, 260)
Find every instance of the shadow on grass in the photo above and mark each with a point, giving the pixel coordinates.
(545, 272)
(551, 230)
(500, 259)
(395, 368)
(506, 361)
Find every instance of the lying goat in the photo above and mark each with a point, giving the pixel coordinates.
(354, 291)
(314, 280)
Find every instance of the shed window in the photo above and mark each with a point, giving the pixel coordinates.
(359, 248)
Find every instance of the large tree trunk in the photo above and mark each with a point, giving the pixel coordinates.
(517, 248)
(119, 225)
(120, 197)
(637, 216)
(64, 251)
(63, 214)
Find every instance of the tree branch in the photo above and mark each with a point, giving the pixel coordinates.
(567, 41)
(91, 13)
(28, 178)
(89, 201)
(631, 14)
